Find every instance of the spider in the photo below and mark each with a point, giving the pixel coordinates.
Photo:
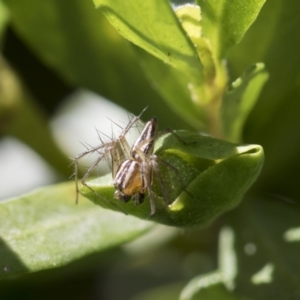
(116, 151)
(134, 175)
(132, 168)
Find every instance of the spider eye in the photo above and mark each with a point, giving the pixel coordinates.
(121, 196)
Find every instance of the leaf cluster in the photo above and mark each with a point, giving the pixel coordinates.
(227, 68)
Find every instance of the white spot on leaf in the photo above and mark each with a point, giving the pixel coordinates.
(292, 235)
(250, 249)
(227, 258)
(264, 275)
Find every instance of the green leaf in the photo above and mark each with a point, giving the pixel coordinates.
(153, 26)
(166, 52)
(225, 22)
(187, 94)
(239, 100)
(272, 39)
(265, 248)
(45, 229)
(215, 173)
(176, 89)
(275, 39)
(76, 40)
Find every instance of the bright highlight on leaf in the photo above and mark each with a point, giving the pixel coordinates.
(292, 235)
(227, 258)
(198, 283)
(264, 275)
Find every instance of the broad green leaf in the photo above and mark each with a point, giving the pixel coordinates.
(46, 229)
(239, 100)
(153, 26)
(75, 39)
(265, 245)
(207, 177)
(225, 22)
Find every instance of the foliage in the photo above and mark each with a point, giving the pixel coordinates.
(204, 64)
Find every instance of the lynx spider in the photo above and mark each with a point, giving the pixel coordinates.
(115, 151)
(135, 174)
(132, 168)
